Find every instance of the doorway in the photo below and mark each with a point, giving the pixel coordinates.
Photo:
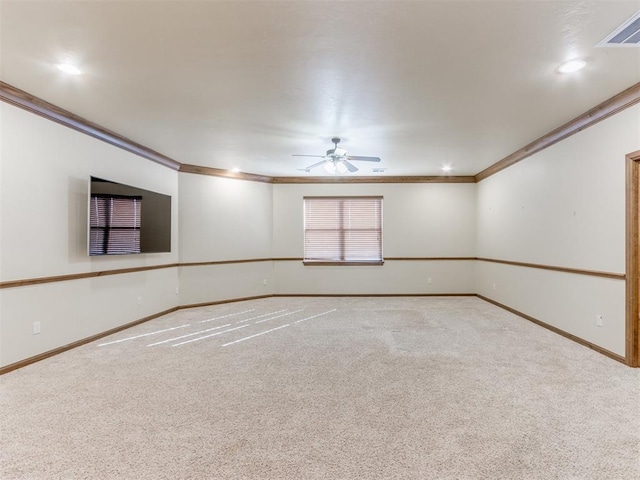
(632, 342)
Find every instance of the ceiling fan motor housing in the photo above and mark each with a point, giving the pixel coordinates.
(336, 152)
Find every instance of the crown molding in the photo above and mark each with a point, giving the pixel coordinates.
(386, 179)
(219, 172)
(606, 109)
(33, 104)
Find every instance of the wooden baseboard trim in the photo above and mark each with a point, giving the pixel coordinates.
(372, 295)
(220, 302)
(98, 336)
(540, 323)
(79, 343)
(84, 341)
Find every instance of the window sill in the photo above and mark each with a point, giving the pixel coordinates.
(310, 263)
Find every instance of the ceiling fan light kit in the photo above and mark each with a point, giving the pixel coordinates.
(334, 167)
(336, 161)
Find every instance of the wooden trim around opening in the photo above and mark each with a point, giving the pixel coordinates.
(579, 340)
(33, 104)
(577, 271)
(606, 109)
(632, 335)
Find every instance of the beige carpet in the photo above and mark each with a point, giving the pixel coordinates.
(350, 388)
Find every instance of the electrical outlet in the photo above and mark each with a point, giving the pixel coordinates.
(177, 290)
(264, 282)
(494, 285)
(429, 280)
(36, 328)
(599, 320)
(140, 300)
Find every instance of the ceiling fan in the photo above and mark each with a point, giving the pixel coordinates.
(336, 160)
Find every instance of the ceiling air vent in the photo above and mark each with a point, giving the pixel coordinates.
(626, 35)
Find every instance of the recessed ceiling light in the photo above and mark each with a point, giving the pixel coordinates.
(69, 68)
(572, 66)
(446, 168)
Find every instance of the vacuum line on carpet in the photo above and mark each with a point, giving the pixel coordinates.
(260, 316)
(144, 335)
(188, 335)
(278, 316)
(256, 335)
(315, 316)
(225, 316)
(208, 336)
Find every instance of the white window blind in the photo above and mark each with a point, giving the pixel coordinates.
(115, 225)
(343, 230)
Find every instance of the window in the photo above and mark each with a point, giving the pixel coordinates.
(115, 224)
(343, 230)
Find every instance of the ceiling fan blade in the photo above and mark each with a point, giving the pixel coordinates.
(352, 168)
(315, 156)
(315, 165)
(363, 159)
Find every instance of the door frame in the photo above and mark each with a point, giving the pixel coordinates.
(632, 293)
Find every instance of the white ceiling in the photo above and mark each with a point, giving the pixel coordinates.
(249, 83)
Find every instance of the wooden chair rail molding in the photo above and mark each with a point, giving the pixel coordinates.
(78, 276)
(31, 103)
(120, 271)
(223, 262)
(555, 268)
(427, 259)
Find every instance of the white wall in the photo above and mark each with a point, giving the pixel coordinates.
(564, 206)
(44, 177)
(224, 219)
(419, 220)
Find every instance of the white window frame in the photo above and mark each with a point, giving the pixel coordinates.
(352, 244)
